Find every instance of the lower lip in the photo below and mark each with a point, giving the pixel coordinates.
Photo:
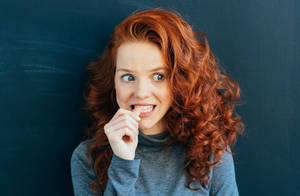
(146, 114)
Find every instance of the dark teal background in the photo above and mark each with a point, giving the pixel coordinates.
(44, 49)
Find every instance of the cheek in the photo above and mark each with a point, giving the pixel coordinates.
(118, 93)
(167, 93)
(164, 95)
(122, 95)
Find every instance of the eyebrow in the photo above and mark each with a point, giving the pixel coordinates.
(155, 69)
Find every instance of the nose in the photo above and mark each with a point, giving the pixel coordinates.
(143, 89)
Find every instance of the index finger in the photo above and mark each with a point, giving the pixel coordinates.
(137, 111)
(123, 111)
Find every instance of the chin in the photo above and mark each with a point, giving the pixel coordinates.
(151, 125)
(145, 125)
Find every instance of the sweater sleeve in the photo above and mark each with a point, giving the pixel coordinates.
(223, 180)
(122, 174)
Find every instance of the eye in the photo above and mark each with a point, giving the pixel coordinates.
(159, 76)
(127, 77)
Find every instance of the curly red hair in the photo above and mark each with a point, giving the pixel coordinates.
(202, 114)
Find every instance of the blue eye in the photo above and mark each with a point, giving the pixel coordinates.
(159, 76)
(127, 77)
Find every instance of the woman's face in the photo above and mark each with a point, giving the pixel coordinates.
(141, 81)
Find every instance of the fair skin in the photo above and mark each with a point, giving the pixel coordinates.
(142, 93)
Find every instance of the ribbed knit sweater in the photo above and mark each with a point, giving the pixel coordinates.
(151, 173)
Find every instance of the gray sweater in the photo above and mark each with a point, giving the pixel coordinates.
(151, 173)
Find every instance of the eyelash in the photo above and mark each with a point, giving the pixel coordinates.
(163, 76)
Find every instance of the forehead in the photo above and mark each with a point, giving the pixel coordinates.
(139, 55)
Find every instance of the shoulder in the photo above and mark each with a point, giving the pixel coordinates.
(80, 155)
(223, 178)
(226, 158)
(82, 148)
(224, 170)
(82, 172)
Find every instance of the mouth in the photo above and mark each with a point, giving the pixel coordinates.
(144, 108)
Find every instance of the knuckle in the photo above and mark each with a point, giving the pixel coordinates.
(135, 124)
(106, 128)
(127, 120)
(128, 130)
(121, 111)
(123, 117)
(105, 131)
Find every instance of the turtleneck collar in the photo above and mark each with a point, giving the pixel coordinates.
(156, 140)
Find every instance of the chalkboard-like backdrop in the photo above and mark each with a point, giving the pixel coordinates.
(44, 49)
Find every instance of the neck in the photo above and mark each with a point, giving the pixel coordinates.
(156, 129)
(149, 132)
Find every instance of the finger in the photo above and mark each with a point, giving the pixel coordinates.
(127, 135)
(122, 112)
(117, 126)
(137, 111)
(117, 114)
(126, 119)
(115, 134)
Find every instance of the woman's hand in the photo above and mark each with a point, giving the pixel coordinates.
(122, 132)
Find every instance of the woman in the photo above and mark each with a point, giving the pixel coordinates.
(162, 114)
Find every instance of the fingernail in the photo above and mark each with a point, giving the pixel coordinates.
(137, 116)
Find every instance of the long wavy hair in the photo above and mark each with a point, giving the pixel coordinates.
(202, 115)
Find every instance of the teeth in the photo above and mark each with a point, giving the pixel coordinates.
(145, 108)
